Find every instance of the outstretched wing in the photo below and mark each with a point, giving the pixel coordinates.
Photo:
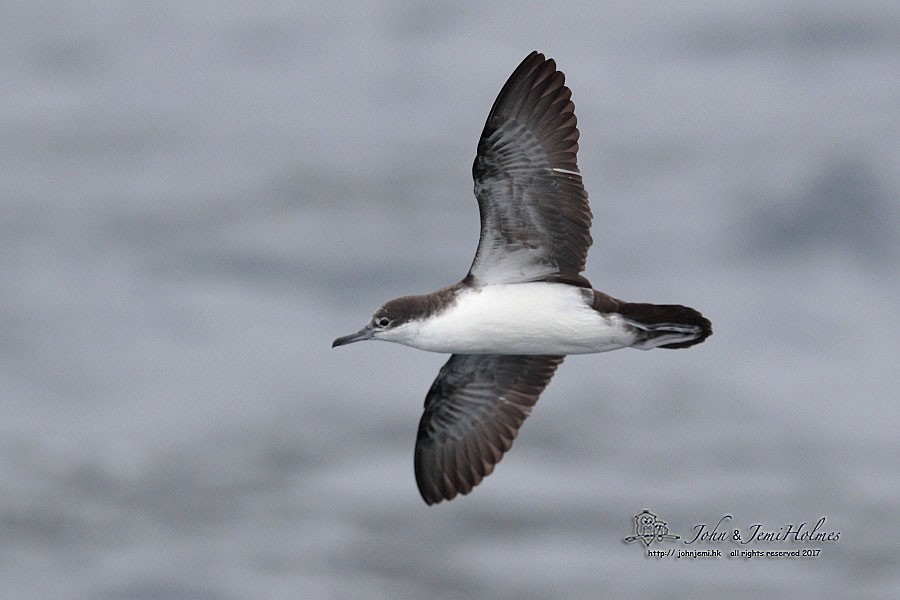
(473, 412)
(535, 218)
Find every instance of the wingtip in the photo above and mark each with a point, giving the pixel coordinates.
(428, 500)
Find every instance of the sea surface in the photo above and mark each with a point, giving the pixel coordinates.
(196, 198)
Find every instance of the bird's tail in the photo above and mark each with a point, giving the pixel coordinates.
(658, 325)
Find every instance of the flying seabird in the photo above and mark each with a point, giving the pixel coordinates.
(524, 304)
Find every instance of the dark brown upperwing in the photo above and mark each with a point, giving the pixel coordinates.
(473, 412)
(535, 218)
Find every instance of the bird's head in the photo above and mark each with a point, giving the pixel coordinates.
(393, 322)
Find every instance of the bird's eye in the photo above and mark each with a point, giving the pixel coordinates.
(383, 322)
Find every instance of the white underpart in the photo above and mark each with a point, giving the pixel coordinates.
(520, 318)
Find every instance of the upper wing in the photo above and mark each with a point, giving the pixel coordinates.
(535, 218)
(473, 412)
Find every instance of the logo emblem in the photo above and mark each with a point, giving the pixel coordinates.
(649, 528)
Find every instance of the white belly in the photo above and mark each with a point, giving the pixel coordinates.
(522, 318)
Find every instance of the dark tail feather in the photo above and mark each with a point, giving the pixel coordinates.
(658, 325)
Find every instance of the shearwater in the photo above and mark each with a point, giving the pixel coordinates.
(524, 304)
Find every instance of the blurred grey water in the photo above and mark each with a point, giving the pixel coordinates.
(197, 198)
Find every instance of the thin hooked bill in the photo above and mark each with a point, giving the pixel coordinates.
(365, 333)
